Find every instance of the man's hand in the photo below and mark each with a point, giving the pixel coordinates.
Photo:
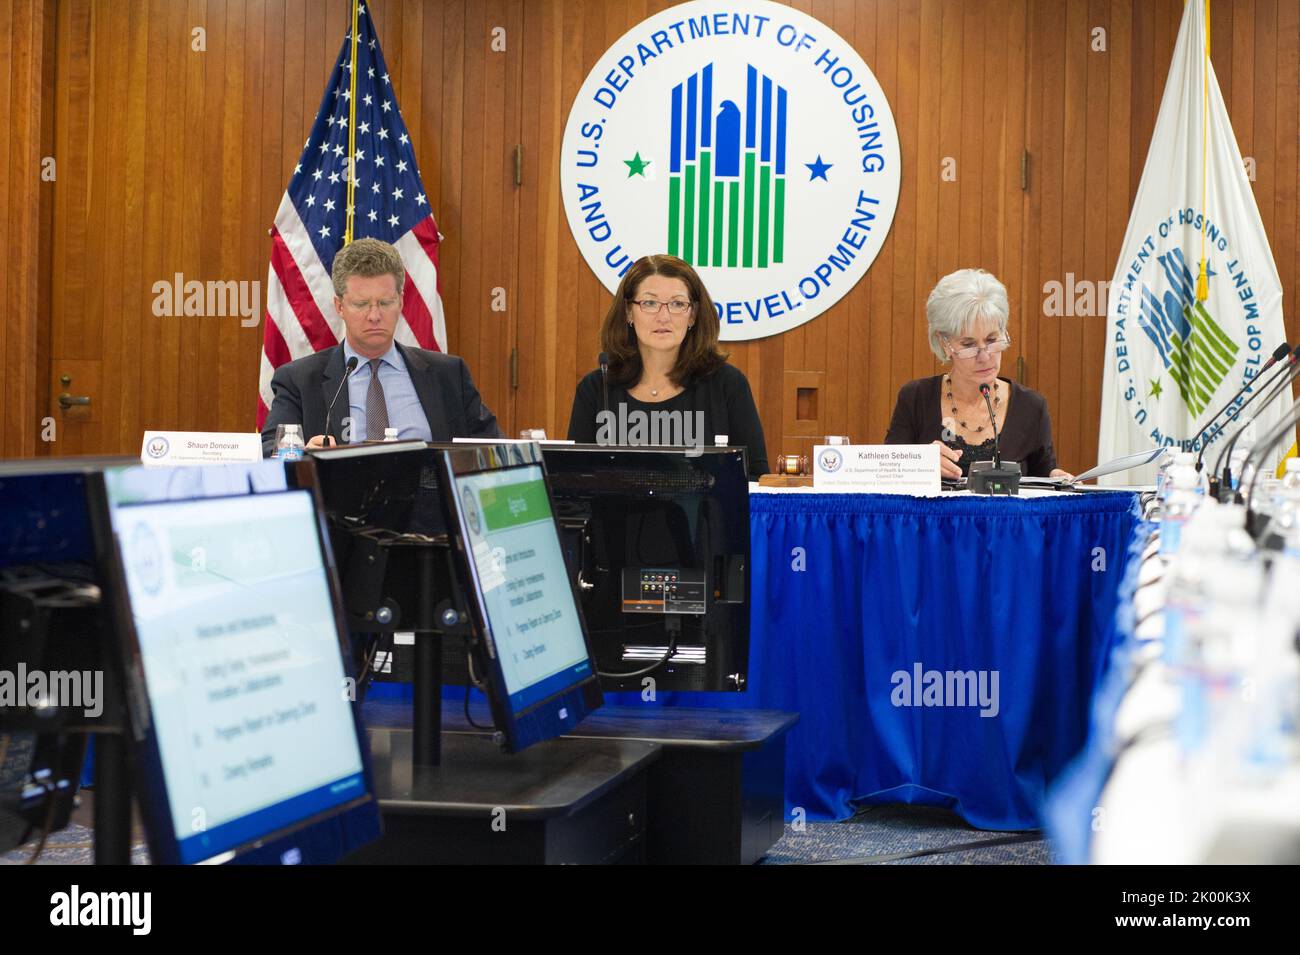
(322, 441)
(1060, 473)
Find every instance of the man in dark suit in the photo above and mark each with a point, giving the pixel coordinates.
(424, 395)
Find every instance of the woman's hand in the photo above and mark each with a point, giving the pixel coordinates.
(948, 458)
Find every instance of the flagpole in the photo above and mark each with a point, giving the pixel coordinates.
(1203, 276)
(352, 125)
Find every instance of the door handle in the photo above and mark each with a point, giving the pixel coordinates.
(67, 401)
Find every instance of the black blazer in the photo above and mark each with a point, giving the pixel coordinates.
(1026, 434)
(723, 396)
(303, 390)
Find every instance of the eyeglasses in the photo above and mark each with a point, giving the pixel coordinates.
(990, 348)
(385, 305)
(676, 306)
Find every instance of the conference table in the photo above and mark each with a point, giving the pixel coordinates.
(939, 651)
(1135, 794)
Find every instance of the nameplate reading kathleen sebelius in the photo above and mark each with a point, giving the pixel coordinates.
(877, 468)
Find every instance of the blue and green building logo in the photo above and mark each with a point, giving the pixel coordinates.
(727, 173)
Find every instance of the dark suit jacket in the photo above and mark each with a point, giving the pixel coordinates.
(303, 390)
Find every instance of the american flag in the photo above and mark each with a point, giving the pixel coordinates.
(310, 223)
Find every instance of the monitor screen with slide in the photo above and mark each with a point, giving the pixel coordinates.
(250, 747)
(540, 677)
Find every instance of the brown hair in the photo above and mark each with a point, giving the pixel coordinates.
(698, 356)
(367, 258)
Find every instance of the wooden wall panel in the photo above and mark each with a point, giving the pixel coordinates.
(26, 33)
(1089, 154)
(174, 161)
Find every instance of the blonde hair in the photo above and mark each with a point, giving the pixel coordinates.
(367, 258)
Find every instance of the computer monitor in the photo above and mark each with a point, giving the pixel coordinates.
(248, 744)
(52, 681)
(657, 541)
(530, 637)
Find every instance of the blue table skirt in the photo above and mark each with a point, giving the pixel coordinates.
(952, 584)
(850, 589)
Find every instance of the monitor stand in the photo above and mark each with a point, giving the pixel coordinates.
(716, 794)
(562, 801)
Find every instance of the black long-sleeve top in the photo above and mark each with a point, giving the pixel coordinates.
(1026, 433)
(724, 398)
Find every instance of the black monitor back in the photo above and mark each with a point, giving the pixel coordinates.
(50, 623)
(657, 540)
(627, 517)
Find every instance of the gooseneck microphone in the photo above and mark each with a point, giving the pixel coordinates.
(1260, 452)
(1000, 478)
(1282, 351)
(603, 361)
(1281, 382)
(993, 420)
(329, 412)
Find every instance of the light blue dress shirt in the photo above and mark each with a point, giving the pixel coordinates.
(405, 413)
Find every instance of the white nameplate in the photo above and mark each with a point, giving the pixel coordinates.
(877, 468)
(168, 448)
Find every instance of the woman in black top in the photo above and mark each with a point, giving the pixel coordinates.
(661, 339)
(967, 317)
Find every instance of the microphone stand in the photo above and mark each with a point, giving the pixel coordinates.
(1222, 486)
(604, 380)
(1270, 441)
(1282, 351)
(329, 412)
(1000, 478)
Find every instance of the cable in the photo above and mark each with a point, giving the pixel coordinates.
(363, 677)
(474, 684)
(51, 800)
(672, 648)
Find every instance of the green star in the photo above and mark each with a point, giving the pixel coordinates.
(1156, 387)
(636, 166)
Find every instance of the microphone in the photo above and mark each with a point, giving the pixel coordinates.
(603, 360)
(1283, 379)
(347, 373)
(993, 420)
(1282, 351)
(1000, 478)
(1270, 441)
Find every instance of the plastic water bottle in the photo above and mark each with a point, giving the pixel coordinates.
(390, 434)
(1265, 729)
(1284, 500)
(291, 444)
(1216, 588)
(1181, 503)
(1165, 462)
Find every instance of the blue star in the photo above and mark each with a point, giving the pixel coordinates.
(818, 169)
